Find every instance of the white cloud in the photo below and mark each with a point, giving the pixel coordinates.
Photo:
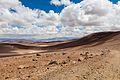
(92, 14)
(24, 20)
(61, 2)
(55, 2)
(75, 19)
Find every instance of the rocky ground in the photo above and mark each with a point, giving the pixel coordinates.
(88, 62)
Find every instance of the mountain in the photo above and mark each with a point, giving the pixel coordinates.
(92, 39)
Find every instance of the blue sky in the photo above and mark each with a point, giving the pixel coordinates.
(46, 6)
(114, 1)
(43, 5)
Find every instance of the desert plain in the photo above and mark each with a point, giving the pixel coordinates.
(93, 57)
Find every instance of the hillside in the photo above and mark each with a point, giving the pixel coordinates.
(93, 57)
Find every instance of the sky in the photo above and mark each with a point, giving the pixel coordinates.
(46, 5)
(58, 18)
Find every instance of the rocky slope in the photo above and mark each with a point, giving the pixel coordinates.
(94, 57)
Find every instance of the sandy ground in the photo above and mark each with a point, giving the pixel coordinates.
(61, 62)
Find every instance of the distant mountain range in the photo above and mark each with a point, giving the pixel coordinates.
(36, 40)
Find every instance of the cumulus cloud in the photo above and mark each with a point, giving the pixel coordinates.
(15, 18)
(95, 14)
(75, 20)
(61, 2)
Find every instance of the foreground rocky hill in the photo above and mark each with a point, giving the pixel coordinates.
(94, 57)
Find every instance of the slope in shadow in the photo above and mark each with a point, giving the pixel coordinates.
(97, 38)
(6, 49)
(19, 46)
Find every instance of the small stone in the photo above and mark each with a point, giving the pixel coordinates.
(61, 65)
(6, 77)
(52, 62)
(79, 60)
(86, 53)
(68, 57)
(77, 76)
(68, 60)
(81, 54)
(64, 53)
(74, 62)
(22, 67)
(28, 76)
(38, 54)
(34, 66)
(34, 60)
(91, 56)
(84, 76)
(102, 54)
(64, 62)
(48, 68)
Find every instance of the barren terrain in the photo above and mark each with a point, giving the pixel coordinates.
(94, 57)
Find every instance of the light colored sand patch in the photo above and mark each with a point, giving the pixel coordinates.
(27, 51)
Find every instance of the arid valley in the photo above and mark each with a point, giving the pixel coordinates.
(93, 57)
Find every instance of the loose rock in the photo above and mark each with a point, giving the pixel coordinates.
(22, 67)
(52, 62)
